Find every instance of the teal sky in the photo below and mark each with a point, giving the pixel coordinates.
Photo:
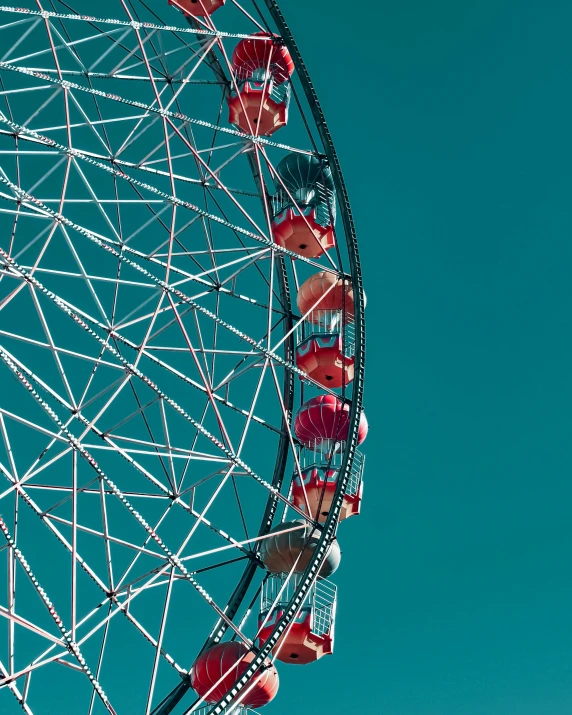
(452, 121)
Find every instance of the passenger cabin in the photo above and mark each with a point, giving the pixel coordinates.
(311, 634)
(260, 95)
(304, 206)
(314, 486)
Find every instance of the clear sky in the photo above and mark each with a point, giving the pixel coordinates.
(452, 121)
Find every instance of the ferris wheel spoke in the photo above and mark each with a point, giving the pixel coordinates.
(248, 261)
(246, 363)
(252, 407)
(63, 162)
(125, 587)
(171, 557)
(84, 276)
(32, 25)
(158, 645)
(83, 19)
(27, 90)
(168, 446)
(97, 202)
(185, 119)
(91, 277)
(200, 54)
(57, 93)
(85, 490)
(99, 662)
(240, 509)
(55, 48)
(27, 672)
(204, 213)
(251, 257)
(115, 77)
(257, 236)
(125, 607)
(135, 53)
(18, 212)
(129, 587)
(293, 446)
(215, 178)
(53, 350)
(154, 643)
(20, 696)
(169, 473)
(13, 472)
(159, 57)
(106, 537)
(93, 125)
(229, 327)
(127, 56)
(34, 470)
(258, 269)
(98, 361)
(19, 23)
(205, 375)
(252, 19)
(149, 476)
(153, 582)
(69, 643)
(105, 625)
(23, 494)
(136, 133)
(67, 44)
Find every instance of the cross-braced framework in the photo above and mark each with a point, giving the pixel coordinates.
(146, 349)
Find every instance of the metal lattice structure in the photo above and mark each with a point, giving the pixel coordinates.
(147, 332)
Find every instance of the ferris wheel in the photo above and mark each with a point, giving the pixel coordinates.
(182, 357)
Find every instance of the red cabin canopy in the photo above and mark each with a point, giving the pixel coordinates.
(234, 657)
(323, 292)
(326, 418)
(250, 55)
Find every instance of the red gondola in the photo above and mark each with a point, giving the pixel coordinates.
(322, 295)
(326, 418)
(259, 104)
(317, 485)
(300, 645)
(227, 662)
(322, 358)
(302, 234)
